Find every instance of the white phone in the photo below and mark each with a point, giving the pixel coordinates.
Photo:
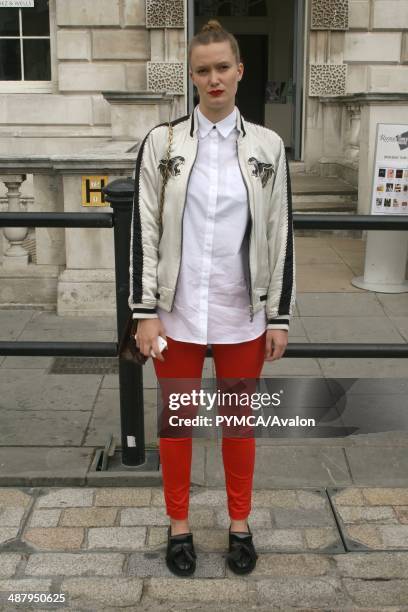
(162, 345)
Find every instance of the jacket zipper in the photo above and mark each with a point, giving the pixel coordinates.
(251, 305)
(182, 217)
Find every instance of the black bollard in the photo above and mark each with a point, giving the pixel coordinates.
(119, 194)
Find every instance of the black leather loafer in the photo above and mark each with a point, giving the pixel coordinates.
(180, 555)
(242, 555)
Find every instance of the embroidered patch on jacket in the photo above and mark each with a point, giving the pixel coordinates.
(261, 170)
(174, 165)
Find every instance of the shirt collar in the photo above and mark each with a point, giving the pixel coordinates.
(225, 126)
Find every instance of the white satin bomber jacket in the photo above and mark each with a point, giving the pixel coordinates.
(155, 260)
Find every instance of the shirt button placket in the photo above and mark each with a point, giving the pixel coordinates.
(209, 232)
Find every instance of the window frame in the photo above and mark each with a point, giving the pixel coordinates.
(37, 86)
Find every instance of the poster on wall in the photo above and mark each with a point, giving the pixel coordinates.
(16, 3)
(390, 181)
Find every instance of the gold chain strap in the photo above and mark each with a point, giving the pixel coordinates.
(167, 171)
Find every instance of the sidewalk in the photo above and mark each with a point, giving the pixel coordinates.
(54, 413)
(330, 515)
(104, 549)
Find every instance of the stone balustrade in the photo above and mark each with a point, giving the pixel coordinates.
(73, 270)
(15, 255)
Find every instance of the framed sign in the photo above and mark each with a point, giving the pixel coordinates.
(92, 190)
(390, 180)
(16, 3)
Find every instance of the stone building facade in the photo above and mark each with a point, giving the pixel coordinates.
(322, 73)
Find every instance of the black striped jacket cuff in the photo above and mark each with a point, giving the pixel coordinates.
(278, 323)
(144, 313)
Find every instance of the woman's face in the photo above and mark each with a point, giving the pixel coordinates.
(213, 67)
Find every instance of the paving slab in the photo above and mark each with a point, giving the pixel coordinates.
(150, 564)
(37, 466)
(375, 413)
(290, 366)
(184, 589)
(290, 466)
(344, 244)
(105, 418)
(43, 428)
(352, 329)
(92, 593)
(67, 335)
(47, 321)
(401, 323)
(30, 390)
(74, 564)
(339, 304)
(325, 277)
(374, 523)
(378, 466)
(9, 564)
(363, 367)
(317, 254)
(385, 593)
(311, 592)
(12, 323)
(26, 363)
(373, 565)
(394, 304)
(355, 262)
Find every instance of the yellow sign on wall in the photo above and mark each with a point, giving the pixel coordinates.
(92, 190)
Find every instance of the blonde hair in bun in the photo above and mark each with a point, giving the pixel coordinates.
(212, 31)
(213, 24)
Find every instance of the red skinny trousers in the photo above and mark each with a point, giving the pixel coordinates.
(186, 360)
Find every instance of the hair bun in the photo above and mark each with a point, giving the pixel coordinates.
(212, 24)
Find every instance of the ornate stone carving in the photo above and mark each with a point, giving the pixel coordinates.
(164, 14)
(165, 76)
(327, 79)
(329, 14)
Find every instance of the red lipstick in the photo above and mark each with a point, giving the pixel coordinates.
(215, 92)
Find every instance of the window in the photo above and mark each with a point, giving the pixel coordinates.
(25, 43)
(230, 8)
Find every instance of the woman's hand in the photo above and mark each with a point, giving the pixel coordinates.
(275, 345)
(146, 336)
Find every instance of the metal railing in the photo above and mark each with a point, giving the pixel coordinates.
(119, 194)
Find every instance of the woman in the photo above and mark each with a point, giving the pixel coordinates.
(217, 269)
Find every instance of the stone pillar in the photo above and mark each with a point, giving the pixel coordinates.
(353, 151)
(87, 286)
(50, 241)
(16, 255)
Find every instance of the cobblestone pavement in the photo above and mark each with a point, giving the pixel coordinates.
(104, 549)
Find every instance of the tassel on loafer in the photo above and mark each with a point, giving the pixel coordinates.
(180, 555)
(242, 555)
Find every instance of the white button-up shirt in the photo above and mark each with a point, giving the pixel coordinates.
(211, 304)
